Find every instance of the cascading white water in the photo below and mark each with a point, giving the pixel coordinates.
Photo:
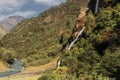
(58, 63)
(96, 6)
(72, 43)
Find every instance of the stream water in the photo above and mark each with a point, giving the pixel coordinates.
(16, 67)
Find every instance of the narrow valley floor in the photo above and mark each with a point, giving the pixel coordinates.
(33, 73)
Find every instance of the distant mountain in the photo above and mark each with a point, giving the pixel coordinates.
(10, 22)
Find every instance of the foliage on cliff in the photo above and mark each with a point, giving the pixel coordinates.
(96, 55)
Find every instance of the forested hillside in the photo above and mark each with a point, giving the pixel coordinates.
(95, 55)
(38, 39)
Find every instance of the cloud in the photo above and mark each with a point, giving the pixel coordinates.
(25, 8)
(50, 2)
(2, 17)
(25, 14)
(11, 5)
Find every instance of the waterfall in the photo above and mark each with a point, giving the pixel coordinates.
(58, 63)
(96, 6)
(72, 43)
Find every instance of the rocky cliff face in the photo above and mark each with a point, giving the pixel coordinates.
(78, 28)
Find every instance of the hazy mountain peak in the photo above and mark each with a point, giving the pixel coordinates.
(10, 22)
(16, 17)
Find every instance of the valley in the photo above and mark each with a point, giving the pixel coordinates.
(81, 37)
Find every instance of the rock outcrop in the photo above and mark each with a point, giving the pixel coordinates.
(78, 28)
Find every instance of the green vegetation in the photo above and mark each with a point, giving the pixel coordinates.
(37, 40)
(95, 56)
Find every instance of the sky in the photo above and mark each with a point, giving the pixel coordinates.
(25, 8)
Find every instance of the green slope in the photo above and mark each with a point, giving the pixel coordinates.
(39, 37)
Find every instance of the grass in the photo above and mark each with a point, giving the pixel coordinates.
(3, 67)
(32, 72)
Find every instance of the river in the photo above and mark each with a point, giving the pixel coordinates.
(15, 68)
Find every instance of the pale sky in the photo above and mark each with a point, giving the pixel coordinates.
(25, 8)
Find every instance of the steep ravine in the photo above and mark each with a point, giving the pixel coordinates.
(79, 28)
(76, 32)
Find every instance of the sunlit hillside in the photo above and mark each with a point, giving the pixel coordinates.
(85, 34)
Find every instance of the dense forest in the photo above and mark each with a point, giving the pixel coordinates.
(95, 55)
